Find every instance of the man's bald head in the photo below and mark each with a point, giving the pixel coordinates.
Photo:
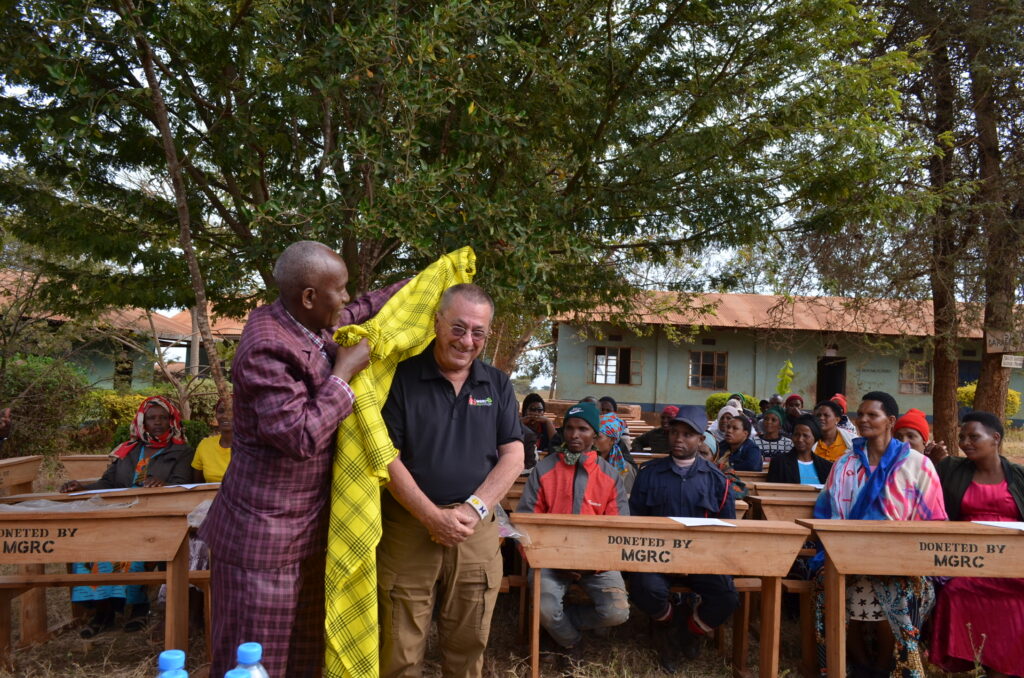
(312, 278)
(303, 265)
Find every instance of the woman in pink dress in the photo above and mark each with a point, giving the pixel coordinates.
(981, 619)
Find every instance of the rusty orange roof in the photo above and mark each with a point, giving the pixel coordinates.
(221, 327)
(775, 312)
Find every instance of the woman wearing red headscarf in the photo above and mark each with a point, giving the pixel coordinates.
(156, 454)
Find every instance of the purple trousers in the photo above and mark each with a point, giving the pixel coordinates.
(282, 609)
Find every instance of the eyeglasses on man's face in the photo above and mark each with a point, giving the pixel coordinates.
(458, 331)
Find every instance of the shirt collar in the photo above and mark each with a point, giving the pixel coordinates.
(317, 339)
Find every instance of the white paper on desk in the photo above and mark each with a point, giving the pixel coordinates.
(817, 486)
(112, 489)
(192, 485)
(1010, 525)
(698, 522)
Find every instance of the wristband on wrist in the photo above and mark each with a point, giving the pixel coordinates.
(478, 505)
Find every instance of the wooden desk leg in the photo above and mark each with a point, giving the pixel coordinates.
(6, 649)
(741, 636)
(32, 610)
(771, 619)
(808, 645)
(835, 620)
(176, 621)
(535, 627)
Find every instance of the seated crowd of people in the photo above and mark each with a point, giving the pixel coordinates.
(876, 464)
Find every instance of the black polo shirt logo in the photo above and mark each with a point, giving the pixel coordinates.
(481, 402)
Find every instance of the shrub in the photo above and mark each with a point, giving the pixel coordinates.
(47, 398)
(965, 395)
(112, 409)
(716, 401)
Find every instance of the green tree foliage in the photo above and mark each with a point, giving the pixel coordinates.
(577, 146)
(717, 401)
(785, 377)
(47, 398)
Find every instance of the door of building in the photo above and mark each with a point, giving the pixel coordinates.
(831, 377)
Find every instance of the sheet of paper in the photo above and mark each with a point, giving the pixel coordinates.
(192, 485)
(1009, 525)
(698, 522)
(817, 486)
(112, 489)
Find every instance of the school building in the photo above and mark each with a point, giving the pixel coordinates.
(681, 351)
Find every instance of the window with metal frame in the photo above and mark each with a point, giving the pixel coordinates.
(709, 370)
(615, 365)
(915, 377)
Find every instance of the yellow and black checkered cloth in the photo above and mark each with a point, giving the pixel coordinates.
(402, 328)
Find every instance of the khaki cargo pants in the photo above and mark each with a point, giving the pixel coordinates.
(410, 570)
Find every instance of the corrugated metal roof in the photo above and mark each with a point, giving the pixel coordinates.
(773, 312)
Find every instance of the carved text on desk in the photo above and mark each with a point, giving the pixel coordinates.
(655, 551)
(33, 539)
(955, 554)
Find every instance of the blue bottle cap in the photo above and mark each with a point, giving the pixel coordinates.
(237, 673)
(250, 653)
(170, 660)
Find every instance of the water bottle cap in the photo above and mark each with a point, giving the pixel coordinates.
(250, 653)
(237, 673)
(170, 660)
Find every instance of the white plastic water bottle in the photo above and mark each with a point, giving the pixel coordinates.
(249, 657)
(237, 673)
(171, 664)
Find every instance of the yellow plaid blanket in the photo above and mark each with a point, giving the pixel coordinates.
(402, 328)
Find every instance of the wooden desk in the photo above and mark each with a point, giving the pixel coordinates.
(31, 538)
(782, 508)
(18, 474)
(762, 489)
(753, 548)
(174, 498)
(907, 548)
(81, 466)
(642, 458)
(752, 476)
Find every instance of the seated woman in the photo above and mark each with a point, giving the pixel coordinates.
(213, 453)
(533, 419)
(607, 404)
(835, 442)
(737, 451)
(881, 479)
(155, 455)
(605, 444)
(980, 620)
(771, 441)
(800, 465)
(729, 410)
(912, 428)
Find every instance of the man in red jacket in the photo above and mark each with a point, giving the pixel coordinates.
(575, 480)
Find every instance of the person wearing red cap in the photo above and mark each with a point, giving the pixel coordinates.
(912, 428)
(844, 420)
(656, 440)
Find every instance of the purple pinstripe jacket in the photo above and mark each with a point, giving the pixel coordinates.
(271, 508)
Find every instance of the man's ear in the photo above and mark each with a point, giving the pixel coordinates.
(308, 297)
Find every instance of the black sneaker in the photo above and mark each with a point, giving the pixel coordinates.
(689, 642)
(664, 640)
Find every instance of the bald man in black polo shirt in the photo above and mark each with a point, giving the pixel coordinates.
(455, 422)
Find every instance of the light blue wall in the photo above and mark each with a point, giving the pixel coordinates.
(755, 359)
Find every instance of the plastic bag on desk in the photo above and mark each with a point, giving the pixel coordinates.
(507, 529)
(197, 515)
(49, 506)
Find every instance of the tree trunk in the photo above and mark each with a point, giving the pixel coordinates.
(181, 198)
(507, 353)
(1000, 240)
(946, 321)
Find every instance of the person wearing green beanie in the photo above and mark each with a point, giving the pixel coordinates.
(771, 440)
